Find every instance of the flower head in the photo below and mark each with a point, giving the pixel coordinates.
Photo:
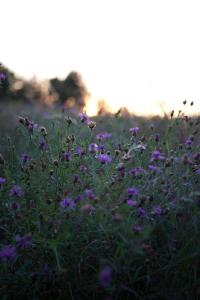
(43, 145)
(7, 253)
(67, 204)
(25, 158)
(84, 118)
(2, 76)
(16, 191)
(137, 228)
(132, 191)
(90, 194)
(65, 156)
(136, 171)
(134, 130)
(157, 210)
(2, 180)
(153, 168)
(104, 159)
(156, 155)
(91, 124)
(105, 276)
(24, 241)
(93, 148)
(103, 136)
(131, 202)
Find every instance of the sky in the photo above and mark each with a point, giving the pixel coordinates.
(142, 54)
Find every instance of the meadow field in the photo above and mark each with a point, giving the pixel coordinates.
(99, 208)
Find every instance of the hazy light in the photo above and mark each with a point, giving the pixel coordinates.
(132, 53)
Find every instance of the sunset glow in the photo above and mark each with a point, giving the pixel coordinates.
(140, 54)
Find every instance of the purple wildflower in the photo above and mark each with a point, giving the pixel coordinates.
(67, 204)
(156, 155)
(93, 148)
(197, 171)
(157, 210)
(2, 180)
(78, 199)
(131, 202)
(2, 76)
(105, 276)
(157, 137)
(90, 194)
(134, 130)
(76, 179)
(141, 212)
(84, 118)
(7, 252)
(25, 158)
(65, 156)
(79, 151)
(16, 191)
(136, 171)
(101, 148)
(188, 142)
(104, 159)
(46, 271)
(103, 136)
(137, 228)
(43, 145)
(15, 206)
(154, 169)
(132, 191)
(24, 241)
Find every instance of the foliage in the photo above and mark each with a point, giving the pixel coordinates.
(101, 210)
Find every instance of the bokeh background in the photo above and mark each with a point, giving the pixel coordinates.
(143, 55)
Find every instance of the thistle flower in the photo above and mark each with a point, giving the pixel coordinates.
(89, 193)
(43, 145)
(103, 136)
(84, 118)
(2, 160)
(188, 142)
(67, 204)
(93, 148)
(105, 276)
(7, 253)
(104, 159)
(134, 130)
(136, 171)
(157, 210)
(154, 169)
(16, 191)
(156, 155)
(25, 158)
(79, 151)
(65, 156)
(141, 212)
(24, 241)
(76, 179)
(132, 191)
(137, 228)
(2, 180)
(15, 206)
(131, 202)
(91, 124)
(43, 131)
(2, 76)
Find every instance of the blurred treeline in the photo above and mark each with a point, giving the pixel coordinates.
(70, 92)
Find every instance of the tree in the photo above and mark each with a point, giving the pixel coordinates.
(71, 89)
